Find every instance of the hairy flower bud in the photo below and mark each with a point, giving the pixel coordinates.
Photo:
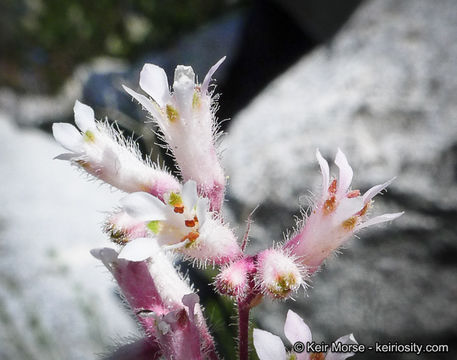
(278, 275)
(233, 279)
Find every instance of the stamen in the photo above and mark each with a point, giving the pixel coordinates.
(332, 187)
(350, 223)
(172, 113)
(353, 194)
(329, 205)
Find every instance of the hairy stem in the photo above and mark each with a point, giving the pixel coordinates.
(243, 329)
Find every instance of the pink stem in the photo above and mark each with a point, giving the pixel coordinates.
(243, 330)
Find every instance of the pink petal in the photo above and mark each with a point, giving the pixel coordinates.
(68, 136)
(325, 173)
(153, 80)
(295, 329)
(379, 219)
(268, 346)
(209, 75)
(347, 339)
(371, 193)
(84, 116)
(143, 206)
(345, 175)
(145, 102)
(138, 249)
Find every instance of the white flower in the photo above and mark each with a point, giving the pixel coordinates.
(338, 214)
(104, 153)
(271, 347)
(182, 223)
(186, 119)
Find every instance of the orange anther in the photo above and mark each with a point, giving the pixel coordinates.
(332, 187)
(179, 209)
(190, 223)
(353, 194)
(329, 205)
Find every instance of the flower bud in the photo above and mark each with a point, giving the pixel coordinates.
(278, 274)
(233, 279)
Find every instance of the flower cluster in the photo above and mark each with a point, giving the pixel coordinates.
(165, 215)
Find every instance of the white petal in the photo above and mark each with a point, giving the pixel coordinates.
(268, 346)
(145, 102)
(209, 75)
(347, 208)
(371, 193)
(379, 219)
(138, 249)
(84, 116)
(67, 156)
(295, 329)
(144, 207)
(345, 175)
(325, 173)
(347, 339)
(190, 300)
(104, 254)
(183, 88)
(153, 80)
(189, 194)
(68, 136)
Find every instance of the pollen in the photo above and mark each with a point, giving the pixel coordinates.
(332, 187)
(350, 223)
(196, 101)
(353, 194)
(329, 205)
(89, 136)
(191, 223)
(172, 113)
(179, 209)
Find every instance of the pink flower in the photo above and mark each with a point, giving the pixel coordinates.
(271, 347)
(187, 123)
(337, 215)
(104, 153)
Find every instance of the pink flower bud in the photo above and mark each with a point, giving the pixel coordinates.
(278, 274)
(104, 153)
(233, 279)
(187, 122)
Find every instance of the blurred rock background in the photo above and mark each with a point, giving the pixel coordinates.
(377, 79)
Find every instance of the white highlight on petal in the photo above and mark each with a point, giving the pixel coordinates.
(67, 136)
(379, 219)
(346, 208)
(145, 102)
(268, 346)
(138, 249)
(189, 194)
(144, 206)
(296, 329)
(325, 173)
(154, 81)
(372, 192)
(209, 75)
(347, 339)
(345, 174)
(84, 116)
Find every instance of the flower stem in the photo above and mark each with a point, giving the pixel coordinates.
(243, 329)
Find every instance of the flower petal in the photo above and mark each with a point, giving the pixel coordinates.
(371, 193)
(68, 136)
(202, 210)
(67, 156)
(138, 249)
(189, 194)
(268, 346)
(145, 102)
(295, 329)
(347, 339)
(210, 73)
(144, 207)
(153, 80)
(325, 173)
(345, 175)
(379, 219)
(347, 208)
(84, 116)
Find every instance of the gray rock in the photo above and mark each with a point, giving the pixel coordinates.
(384, 91)
(56, 301)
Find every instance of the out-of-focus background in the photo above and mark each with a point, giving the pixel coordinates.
(376, 78)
